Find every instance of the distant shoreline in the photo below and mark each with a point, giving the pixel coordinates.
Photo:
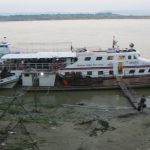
(45, 17)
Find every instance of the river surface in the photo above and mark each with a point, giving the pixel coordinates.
(93, 34)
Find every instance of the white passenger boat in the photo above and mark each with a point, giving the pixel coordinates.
(101, 68)
(109, 63)
(82, 68)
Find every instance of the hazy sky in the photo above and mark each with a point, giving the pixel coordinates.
(12, 6)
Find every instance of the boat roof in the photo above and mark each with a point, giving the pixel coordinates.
(39, 55)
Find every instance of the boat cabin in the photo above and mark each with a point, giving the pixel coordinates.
(39, 61)
(109, 63)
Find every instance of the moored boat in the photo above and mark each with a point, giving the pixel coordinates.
(7, 79)
(100, 69)
(4, 47)
(81, 69)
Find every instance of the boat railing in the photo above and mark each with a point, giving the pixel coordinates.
(36, 66)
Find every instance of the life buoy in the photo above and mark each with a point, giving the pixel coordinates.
(65, 82)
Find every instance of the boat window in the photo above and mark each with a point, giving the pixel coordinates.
(135, 57)
(141, 70)
(75, 59)
(4, 46)
(129, 57)
(78, 74)
(110, 57)
(149, 70)
(131, 71)
(100, 72)
(121, 57)
(98, 58)
(87, 58)
(111, 72)
(67, 73)
(26, 75)
(89, 73)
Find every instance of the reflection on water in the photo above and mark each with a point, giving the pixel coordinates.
(110, 98)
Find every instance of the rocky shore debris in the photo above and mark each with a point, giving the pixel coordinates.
(128, 115)
(94, 126)
(80, 104)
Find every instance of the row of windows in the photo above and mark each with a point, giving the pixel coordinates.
(89, 58)
(140, 71)
(4, 46)
(100, 72)
(111, 72)
(110, 58)
(130, 72)
(89, 73)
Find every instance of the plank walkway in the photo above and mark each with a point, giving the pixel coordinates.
(127, 92)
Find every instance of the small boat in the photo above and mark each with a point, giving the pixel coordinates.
(4, 47)
(7, 79)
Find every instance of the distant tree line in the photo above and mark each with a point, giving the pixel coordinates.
(107, 15)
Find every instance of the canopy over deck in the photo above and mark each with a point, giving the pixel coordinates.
(39, 55)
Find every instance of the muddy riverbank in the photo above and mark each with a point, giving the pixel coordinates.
(63, 127)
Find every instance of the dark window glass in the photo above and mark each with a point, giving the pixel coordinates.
(129, 57)
(98, 58)
(149, 70)
(67, 73)
(131, 71)
(111, 72)
(100, 72)
(4, 46)
(26, 75)
(87, 58)
(141, 70)
(78, 73)
(89, 73)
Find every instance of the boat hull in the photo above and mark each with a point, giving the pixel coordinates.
(98, 84)
(9, 83)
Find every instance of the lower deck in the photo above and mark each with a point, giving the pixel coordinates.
(90, 84)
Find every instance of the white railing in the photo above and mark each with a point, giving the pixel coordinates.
(36, 66)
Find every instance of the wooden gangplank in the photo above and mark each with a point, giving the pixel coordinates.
(127, 92)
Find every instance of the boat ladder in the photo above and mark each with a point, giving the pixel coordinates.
(128, 92)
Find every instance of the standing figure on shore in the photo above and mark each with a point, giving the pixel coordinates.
(141, 104)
